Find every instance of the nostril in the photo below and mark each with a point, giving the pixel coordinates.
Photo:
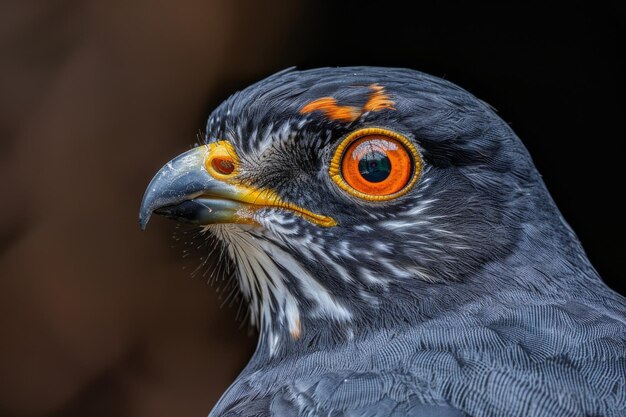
(224, 166)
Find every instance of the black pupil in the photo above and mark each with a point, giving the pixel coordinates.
(374, 166)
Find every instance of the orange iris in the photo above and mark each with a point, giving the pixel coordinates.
(376, 165)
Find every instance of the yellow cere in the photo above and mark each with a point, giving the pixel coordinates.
(226, 155)
(222, 151)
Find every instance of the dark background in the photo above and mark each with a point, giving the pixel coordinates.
(99, 319)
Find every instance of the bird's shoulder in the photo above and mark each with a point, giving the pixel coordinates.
(552, 358)
(341, 393)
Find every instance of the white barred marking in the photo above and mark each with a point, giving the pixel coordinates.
(267, 289)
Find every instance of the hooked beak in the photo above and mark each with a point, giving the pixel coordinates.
(200, 187)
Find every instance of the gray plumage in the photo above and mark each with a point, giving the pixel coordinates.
(467, 296)
(533, 357)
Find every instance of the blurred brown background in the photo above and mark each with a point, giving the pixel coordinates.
(99, 319)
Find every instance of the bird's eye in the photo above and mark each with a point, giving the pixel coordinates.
(375, 164)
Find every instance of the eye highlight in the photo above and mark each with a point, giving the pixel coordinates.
(375, 164)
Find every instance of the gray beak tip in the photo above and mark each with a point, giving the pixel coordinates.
(143, 222)
(181, 179)
(145, 211)
(144, 216)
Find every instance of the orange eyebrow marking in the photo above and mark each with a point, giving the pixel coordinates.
(332, 110)
(377, 101)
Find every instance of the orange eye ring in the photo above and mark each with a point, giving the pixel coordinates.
(375, 164)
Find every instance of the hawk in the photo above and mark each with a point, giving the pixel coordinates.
(399, 253)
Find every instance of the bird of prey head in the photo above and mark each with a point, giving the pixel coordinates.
(358, 198)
